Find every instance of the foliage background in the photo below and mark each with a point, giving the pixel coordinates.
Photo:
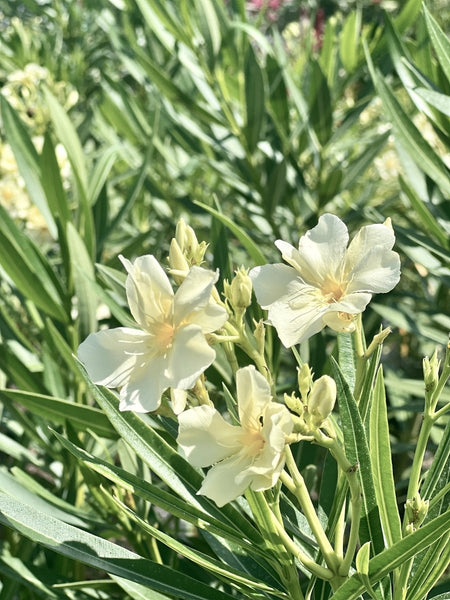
(248, 121)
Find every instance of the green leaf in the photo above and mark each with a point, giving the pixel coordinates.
(100, 173)
(67, 135)
(254, 99)
(253, 250)
(430, 569)
(57, 410)
(15, 569)
(207, 562)
(394, 557)
(408, 135)
(137, 591)
(15, 490)
(440, 42)
(380, 452)
(22, 262)
(51, 182)
(435, 476)
(158, 496)
(209, 26)
(436, 99)
(361, 163)
(349, 41)
(101, 554)
(320, 105)
(428, 223)
(84, 281)
(357, 452)
(27, 161)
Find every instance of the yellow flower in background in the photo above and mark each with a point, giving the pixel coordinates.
(326, 283)
(169, 350)
(251, 454)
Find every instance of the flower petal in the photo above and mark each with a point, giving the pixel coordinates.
(147, 382)
(111, 355)
(297, 316)
(210, 319)
(320, 251)
(206, 437)
(149, 292)
(271, 282)
(189, 356)
(178, 399)
(377, 272)
(351, 303)
(221, 484)
(253, 394)
(194, 293)
(370, 264)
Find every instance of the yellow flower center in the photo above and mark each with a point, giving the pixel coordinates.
(254, 442)
(163, 333)
(332, 290)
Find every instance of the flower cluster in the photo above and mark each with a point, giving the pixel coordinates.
(324, 283)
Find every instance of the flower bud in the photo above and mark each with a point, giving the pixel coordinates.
(293, 404)
(260, 336)
(178, 264)
(321, 399)
(304, 377)
(240, 290)
(416, 510)
(431, 372)
(185, 244)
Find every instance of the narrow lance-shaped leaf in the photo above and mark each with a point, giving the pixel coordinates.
(407, 134)
(58, 410)
(101, 554)
(357, 451)
(439, 40)
(254, 99)
(393, 557)
(27, 161)
(380, 452)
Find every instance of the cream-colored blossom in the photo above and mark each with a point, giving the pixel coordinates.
(249, 454)
(169, 350)
(326, 283)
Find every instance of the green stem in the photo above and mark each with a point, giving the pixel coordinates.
(339, 533)
(355, 497)
(298, 487)
(271, 527)
(361, 361)
(291, 546)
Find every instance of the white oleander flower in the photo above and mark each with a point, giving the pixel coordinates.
(169, 350)
(326, 282)
(249, 454)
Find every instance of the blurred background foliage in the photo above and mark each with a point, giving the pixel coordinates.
(249, 119)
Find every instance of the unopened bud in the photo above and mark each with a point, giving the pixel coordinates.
(293, 403)
(259, 334)
(388, 223)
(240, 290)
(179, 267)
(416, 510)
(304, 378)
(431, 372)
(377, 340)
(322, 398)
(192, 250)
